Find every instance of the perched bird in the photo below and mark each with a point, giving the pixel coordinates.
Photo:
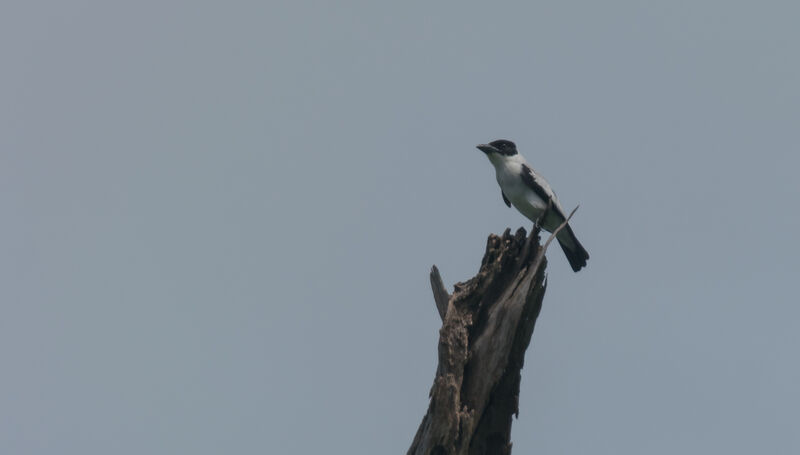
(529, 192)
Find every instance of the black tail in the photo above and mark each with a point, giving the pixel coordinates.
(575, 252)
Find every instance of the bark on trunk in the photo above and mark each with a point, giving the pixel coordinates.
(487, 325)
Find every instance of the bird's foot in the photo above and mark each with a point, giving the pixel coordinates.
(537, 225)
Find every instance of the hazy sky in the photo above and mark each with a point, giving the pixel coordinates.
(218, 220)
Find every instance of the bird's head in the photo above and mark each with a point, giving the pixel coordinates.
(499, 149)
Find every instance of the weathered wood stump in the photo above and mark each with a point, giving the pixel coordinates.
(487, 325)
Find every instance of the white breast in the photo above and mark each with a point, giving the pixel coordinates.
(509, 177)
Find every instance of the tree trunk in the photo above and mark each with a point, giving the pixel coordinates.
(486, 327)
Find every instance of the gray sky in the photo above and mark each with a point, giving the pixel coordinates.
(218, 220)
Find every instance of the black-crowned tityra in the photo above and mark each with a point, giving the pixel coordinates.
(522, 187)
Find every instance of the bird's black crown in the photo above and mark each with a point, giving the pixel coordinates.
(505, 147)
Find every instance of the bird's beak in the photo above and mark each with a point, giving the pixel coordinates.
(486, 148)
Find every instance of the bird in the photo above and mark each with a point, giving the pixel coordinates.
(525, 189)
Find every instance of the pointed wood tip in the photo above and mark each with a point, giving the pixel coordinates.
(440, 295)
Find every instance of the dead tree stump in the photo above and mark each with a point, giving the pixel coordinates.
(487, 325)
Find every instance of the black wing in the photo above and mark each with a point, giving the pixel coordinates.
(530, 182)
(505, 199)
